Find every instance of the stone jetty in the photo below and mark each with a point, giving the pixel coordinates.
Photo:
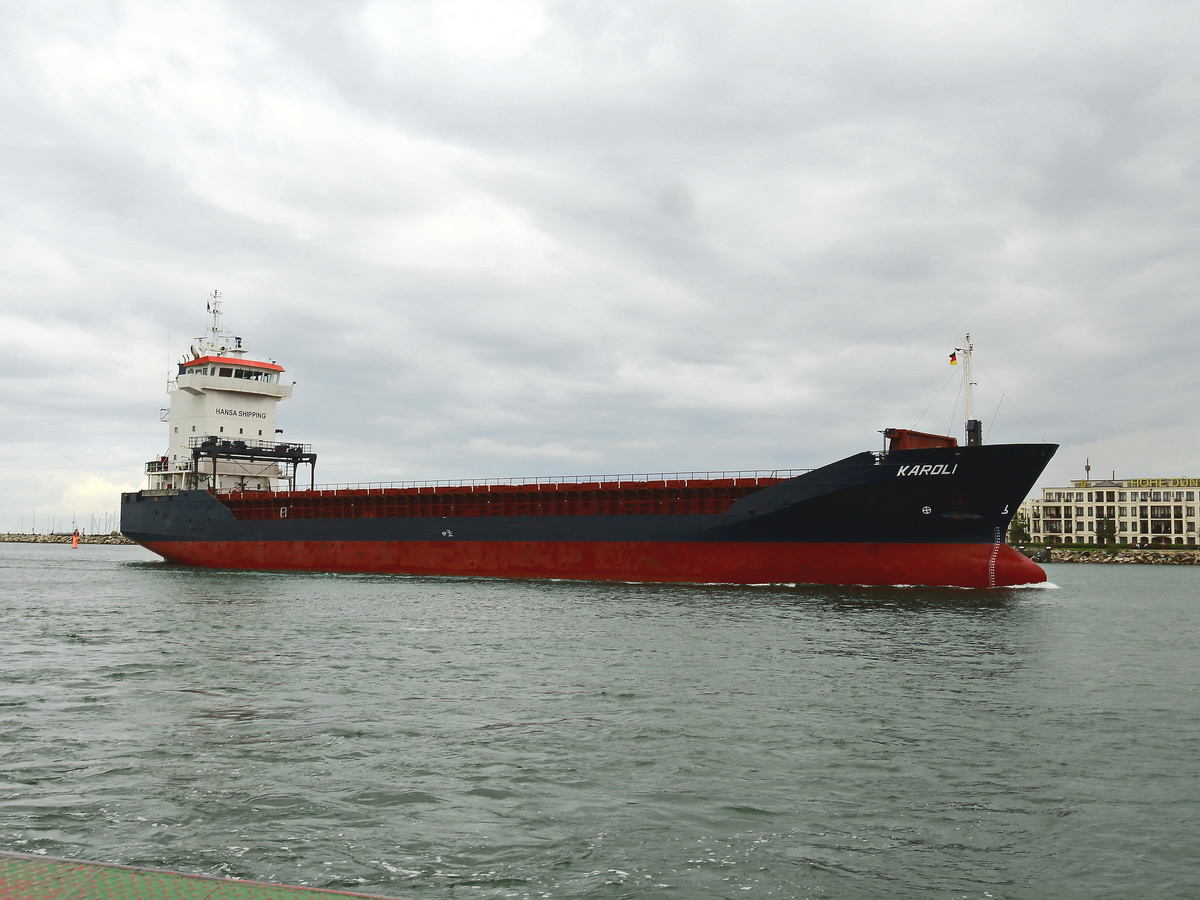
(1118, 555)
(114, 538)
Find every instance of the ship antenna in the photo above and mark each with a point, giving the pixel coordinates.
(214, 307)
(974, 426)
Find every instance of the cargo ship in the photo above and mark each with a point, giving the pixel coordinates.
(922, 510)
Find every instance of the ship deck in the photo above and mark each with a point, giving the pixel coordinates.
(684, 494)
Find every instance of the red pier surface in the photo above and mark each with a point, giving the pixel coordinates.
(955, 565)
(29, 877)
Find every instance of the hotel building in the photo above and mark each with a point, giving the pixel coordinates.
(1136, 511)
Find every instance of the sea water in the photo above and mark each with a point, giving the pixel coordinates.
(447, 738)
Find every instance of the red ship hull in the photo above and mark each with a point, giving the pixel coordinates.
(961, 565)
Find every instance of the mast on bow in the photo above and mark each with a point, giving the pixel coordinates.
(974, 426)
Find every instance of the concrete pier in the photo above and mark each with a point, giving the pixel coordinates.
(28, 877)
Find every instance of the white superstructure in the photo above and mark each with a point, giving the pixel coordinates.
(221, 422)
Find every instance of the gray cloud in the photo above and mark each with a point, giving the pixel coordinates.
(543, 237)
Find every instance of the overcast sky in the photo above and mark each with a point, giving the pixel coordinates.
(509, 237)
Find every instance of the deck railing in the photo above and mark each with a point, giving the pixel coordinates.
(675, 493)
(600, 480)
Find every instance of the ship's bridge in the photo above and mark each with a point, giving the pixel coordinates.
(227, 374)
(224, 401)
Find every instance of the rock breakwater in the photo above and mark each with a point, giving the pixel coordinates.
(1127, 556)
(114, 538)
